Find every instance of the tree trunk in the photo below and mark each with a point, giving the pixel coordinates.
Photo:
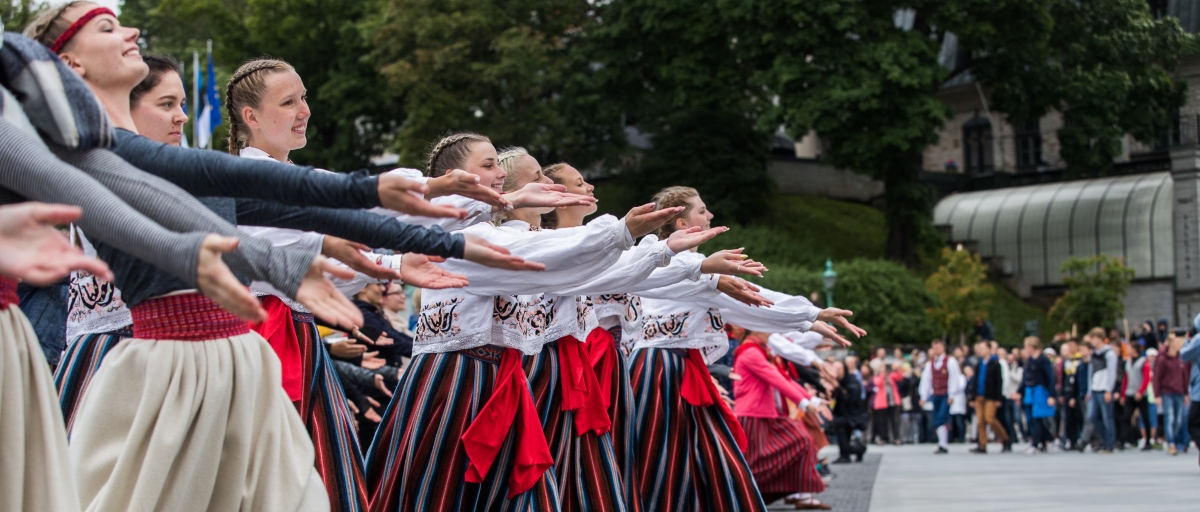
(909, 211)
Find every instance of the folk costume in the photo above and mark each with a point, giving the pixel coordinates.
(940, 380)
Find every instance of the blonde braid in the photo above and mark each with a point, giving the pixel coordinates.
(550, 220)
(445, 155)
(671, 197)
(246, 88)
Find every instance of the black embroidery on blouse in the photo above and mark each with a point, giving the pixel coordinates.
(438, 319)
(665, 326)
(529, 318)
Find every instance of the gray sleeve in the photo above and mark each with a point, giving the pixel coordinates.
(27, 168)
(170, 205)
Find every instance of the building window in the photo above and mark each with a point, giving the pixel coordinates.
(1029, 146)
(977, 145)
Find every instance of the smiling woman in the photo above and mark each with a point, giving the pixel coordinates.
(268, 108)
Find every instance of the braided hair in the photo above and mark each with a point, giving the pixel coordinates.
(245, 89)
(671, 197)
(450, 152)
(507, 160)
(48, 25)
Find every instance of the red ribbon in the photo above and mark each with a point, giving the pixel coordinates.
(700, 390)
(280, 332)
(580, 389)
(511, 403)
(602, 353)
(75, 27)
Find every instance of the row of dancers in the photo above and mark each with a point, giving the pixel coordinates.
(558, 364)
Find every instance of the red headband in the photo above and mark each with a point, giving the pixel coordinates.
(75, 27)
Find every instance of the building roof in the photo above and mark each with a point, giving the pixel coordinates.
(1036, 228)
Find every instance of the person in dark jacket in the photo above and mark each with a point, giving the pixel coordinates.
(1037, 392)
(989, 389)
(849, 415)
(390, 343)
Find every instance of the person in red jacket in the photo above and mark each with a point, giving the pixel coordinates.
(780, 452)
(1170, 378)
(886, 404)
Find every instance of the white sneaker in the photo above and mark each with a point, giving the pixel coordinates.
(1054, 448)
(1031, 450)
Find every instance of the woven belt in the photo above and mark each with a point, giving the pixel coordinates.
(185, 317)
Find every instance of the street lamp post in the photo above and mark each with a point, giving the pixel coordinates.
(830, 278)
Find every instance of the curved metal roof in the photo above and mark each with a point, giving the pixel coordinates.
(1036, 228)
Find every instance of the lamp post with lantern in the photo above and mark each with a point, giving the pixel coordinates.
(830, 278)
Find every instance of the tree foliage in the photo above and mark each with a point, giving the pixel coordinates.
(352, 114)
(1095, 287)
(866, 76)
(18, 13)
(887, 299)
(963, 293)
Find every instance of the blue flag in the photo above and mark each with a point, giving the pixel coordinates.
(210, 111)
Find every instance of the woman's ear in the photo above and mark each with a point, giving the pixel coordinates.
(72, 63)
(249, 118)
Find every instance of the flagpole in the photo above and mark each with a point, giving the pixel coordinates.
(209, 87)
(196, 97)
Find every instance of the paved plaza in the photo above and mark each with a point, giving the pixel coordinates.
(912, 479)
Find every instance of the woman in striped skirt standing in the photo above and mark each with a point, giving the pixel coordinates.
(690, 446)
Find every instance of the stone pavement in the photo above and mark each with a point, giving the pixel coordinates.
(912, 479)
(850, 489)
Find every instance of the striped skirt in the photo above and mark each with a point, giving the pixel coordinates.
(623, 435)
(330, 423)
(687, 459)
(782, 455)
(417, 461)
(586, 467)
(77, 366)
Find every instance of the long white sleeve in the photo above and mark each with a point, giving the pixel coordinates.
(790, 350)
(957, 383)
(808, 339)
(789, 313)
(572, 257)
(478, 212)
(633, 269)
(925, 388)
(703, 288)
(350, 287)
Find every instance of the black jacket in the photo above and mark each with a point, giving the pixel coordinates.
(994, 380)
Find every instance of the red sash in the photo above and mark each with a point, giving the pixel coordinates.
(280, 332)
(185, 317)
(482, 440)
(699, 390)
(581, 391)
(602, 353)
(8, 292)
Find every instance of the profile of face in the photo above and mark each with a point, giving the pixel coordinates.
(573, 180)
(394, 299)
(103, 52)
(482, 161)
(159, 114)
(528, 170)
(280, 123)
(696, 215)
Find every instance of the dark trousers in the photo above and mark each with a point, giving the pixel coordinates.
(1193, 422)
(1072, 419)
(1132, 427)
(844, 429)
(887, 429)
(1007, 414)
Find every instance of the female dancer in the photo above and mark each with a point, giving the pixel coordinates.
(232, 444)
(430, 452)
(37, 475)
(780, 452)
(690, 446)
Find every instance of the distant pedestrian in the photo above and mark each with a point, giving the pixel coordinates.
(1037, 396)
(989, 395)
(1103, 379)
(1170, 382)
(941, 381)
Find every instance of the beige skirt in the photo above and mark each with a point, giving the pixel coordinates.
(193, 425)
(35, 472)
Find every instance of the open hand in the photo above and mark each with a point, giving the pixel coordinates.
(381, 387)
(478, 250)
(372, 361)
(462, 183)
(742, 291)
(407, 196)
(830, 332)
(690, 238)
(346, 349)
(643, 220)
(731, 262)
(544, 195)
(838, 317)
(35, 252)
(418, 270)
(351, 254)
(325, 301)
(217, 282)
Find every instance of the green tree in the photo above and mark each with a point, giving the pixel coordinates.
(1095, 287)
(963, 292)
(18, 13)
(866, 76)
(671, 71)
(888, 300)
(352, 114)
